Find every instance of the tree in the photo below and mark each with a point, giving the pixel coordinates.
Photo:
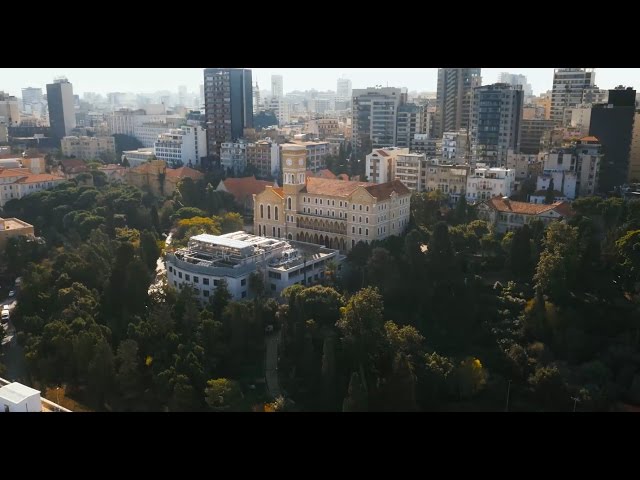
(520, 253)
(550, 194)
(223, 394)
(231, 222)
(548, 385)
(461, 210)
(126, 142)
(471, 377)
(220, 298)
(555, 273)
(125, 162)
(149, 249)
(356, 399)
(155, 219)
(628, 249)
(128, 371)
(101, 372)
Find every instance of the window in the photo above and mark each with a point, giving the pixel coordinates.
(367, 208)
(278, 232)
(354, 207)
(187, 277)
(244, 294)
(353, 218)
(205, 293)
(243, 282)
(289, 203)
(275, 213)
(359, 219)
(216, 283)
(261, 211)
(170, 268)
(353, 229)
(273, 287)
(205, 281)
(179, 274)
(196, 279)
(366, 232)
(175, 284)
(341, 204)
(360, 207)
(367, 220)
(268, 212)
(316, 201)
(360, 231)
(320, 201)
(273, 231)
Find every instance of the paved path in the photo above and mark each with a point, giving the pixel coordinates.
(160, 270)
(271, 364)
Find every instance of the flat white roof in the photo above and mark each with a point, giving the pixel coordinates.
(222, 241)
(16, 392)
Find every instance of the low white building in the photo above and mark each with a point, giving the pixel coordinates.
(16, 397)
(182, 146)
(380, 164)
(138, 157)
(233, 257)
(484, 182)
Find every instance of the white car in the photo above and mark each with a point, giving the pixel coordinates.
(12, 293)
(5, 316)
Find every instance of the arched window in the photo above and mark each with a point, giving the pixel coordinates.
(278, 232)
(274, 231)
(275, 213)
(261, 211)
(268, 212)
(289, 203)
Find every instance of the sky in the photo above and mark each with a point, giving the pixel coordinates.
(104, 80)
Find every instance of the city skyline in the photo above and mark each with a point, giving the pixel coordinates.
(147, 80)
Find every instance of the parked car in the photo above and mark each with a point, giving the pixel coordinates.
(12, 293)
(5, 316)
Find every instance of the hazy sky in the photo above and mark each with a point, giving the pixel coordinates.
(103, 80)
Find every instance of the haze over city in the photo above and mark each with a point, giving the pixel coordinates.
(105, 80)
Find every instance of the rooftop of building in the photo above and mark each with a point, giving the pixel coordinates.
(504, 205)
(344, 188)
(14, 224)
(237, 252)
(244, 187)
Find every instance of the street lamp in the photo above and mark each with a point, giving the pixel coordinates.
(575, 402)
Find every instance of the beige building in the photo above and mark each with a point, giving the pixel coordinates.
(380, 164)
(89, 148)
(20, 182)
(334, 213)
(158, 179)
(506, 215)
(13, 227)
(328, 127)
(449, 179)
(264, 155)
(634, 154)
(544, 101)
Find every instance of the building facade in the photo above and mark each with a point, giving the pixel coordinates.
(446, 178)
(138, 157)
(264, 156)
(20, 182)
(233, 156)
(380, 164)
(531, 134)
(408, 124)
(9, 110)
(334, 213)
(234, 257)
(228, 105)
(612, 124)
(13, 227)
(343, 89)
(374, 112)
(89, 148)
(62, 115)
(569, 85)
(182, 146)
(453, 100)
(456, 147)
(634, 156)
(484, 182)
(495, 123)
(277, 88)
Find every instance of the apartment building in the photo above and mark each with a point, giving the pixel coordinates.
(486, 182)
(89, 148)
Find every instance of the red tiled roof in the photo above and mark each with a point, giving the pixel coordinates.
(241, 188)
(343, 176)
(590, 138)
(332, 188)
(14, 172)
(183, 172)
(73, 165)
(505, 205)
(42, 177)
(279, 191)
(383, 191)
(326, 173)
(344, 188)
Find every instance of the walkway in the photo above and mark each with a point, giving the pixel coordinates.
(161, 272)
(271, 364)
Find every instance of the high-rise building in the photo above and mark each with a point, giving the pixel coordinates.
(634, 158)
(30, 96)
(612, 124)
(62, 115)
(256, 99)
(408, 124)
(495, 123)
(569, 85)
(531, 134)
(277, 88)
(9, 109)
(453, 102)
(228, 105)
(515, 79)
(344, 90)
(374, 114)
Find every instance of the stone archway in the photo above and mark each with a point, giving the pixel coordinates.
(336, 243)
(315, 239)
(321, 240)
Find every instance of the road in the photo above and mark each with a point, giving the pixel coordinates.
(271, 364)
(13, 354)
(160, 270)
(9, 328)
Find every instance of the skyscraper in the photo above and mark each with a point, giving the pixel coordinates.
(277, 89)
(228, 105)
(495, 122)
(453, 102)
(516, 79)
(31, 95)
(62, 115)
(344, 90)
(9, 109)
(568, 89)
(374, 118)
(612, 124)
